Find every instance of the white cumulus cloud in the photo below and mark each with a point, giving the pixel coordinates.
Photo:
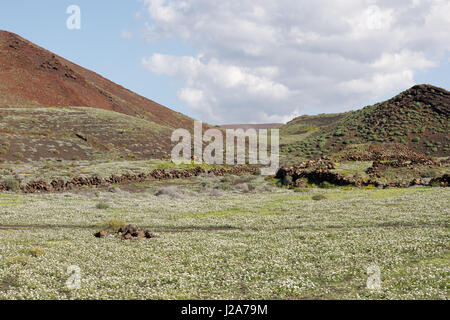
(270, 60)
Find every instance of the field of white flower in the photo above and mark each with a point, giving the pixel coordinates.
(262, 244)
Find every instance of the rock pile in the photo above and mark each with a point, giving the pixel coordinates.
(444, 180)
(59, 185)
(400, 154)
(316, 163)
(129, 232)
(317, 175)
(317, 170)
(298, 175)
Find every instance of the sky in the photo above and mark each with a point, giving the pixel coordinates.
(242, 61)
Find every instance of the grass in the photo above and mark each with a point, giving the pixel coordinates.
(313, 136)
(258, 245)
(350, 168)
(112, 224)
(9, 200)
(65, 169)
(102, 205)
(12, 184)
(112, 136)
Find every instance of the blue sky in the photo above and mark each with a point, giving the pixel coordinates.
(248, 61)
(98, 45)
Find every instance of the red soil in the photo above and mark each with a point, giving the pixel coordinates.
(31, 76)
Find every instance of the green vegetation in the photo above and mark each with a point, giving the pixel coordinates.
(112, 224)
(18, 155)
(319, 197)
(395, 120)
(109, 135)
(102, 205)
(12, 184)
(269, 244)
(229, 237)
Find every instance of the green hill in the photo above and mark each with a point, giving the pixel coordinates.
(417, 118)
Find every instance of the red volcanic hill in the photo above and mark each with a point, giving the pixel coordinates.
(31, 76)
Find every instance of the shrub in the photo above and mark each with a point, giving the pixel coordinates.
(326, 185)
(286, 181)
(36, 252)
(216, 193)
(20, 259)
(113, 224)
(18, 155)
(339, 133)
(227, 178)
(319, 197)
(243, 187)
(12, 184)
(102, 205)
(171, 191)
(416, 139)
(429, 174)
(435, 184)
(224, 186)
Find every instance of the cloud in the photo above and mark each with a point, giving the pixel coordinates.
(270, 60)
(126, 35)
(211, 84)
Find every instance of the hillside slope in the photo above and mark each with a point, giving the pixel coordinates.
(31, 76)
(79, 133)
(417, 118)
